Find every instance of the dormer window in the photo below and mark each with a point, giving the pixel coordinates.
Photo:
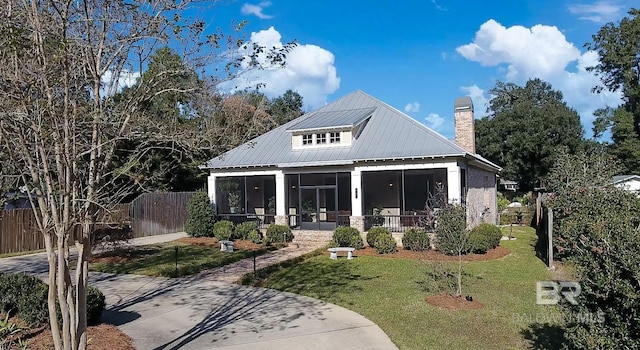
(334, 137)
(321, 139)
(307, 139)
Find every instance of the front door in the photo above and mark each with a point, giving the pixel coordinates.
(318, 207)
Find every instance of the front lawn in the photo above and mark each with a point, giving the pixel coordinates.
(387, 291)
(160, 259)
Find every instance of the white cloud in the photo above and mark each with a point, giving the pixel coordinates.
(309, 70)
(434, 121)
(109, 83)
(599, 12)
(438, 6)
(480, 100)
(540, 52)
(412, 107)
(256, 10)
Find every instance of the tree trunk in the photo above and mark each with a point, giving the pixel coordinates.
(51, 296)
(459, 291)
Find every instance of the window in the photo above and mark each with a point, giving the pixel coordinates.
(321, 139)
(307, 139)
(334, 137)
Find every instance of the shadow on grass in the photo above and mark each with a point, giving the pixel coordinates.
(311, 275)
(542, 336)
(161, 260)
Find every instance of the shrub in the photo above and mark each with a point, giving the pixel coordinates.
(451, 230)
(95, 305)
(223, 230)
(416, 239)
(244, 230)
(200, 216)
(385, 244)
(278, 234)
(373, 233)
(484, 237)
(25, 295)
(255, 236)
(346, 236)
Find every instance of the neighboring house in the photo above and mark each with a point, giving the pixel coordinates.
(509, 185)
(356, 161)
(630, 183)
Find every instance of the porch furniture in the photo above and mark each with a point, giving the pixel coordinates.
(226, 246)
(334, 252)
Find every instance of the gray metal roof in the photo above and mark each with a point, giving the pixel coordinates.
(622, 178)
(388, 135)
(332, 120)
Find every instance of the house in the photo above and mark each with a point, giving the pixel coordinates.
(630, 183)
(358, 162)
(508, 185)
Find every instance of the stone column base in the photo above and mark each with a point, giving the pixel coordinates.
(282, 220)
(357, 222)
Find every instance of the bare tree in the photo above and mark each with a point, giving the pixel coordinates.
(62, 121)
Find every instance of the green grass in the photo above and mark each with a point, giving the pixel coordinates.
(388, 292)
(9, 255)
(159, 260)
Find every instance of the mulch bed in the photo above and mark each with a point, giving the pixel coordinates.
(448, 301)
(100, 337)
(433, 255)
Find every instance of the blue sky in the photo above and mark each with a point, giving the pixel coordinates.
(418, 56)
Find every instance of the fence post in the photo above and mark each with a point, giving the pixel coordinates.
(550, 237)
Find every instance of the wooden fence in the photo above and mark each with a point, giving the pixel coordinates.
(159, 213)
(150, 214)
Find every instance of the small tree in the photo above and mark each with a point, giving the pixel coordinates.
(453, 236)
(200, 216)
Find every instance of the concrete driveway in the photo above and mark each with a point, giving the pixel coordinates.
(201, 313)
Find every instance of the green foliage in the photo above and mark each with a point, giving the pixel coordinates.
(597, 228)
(385, 244)
(484, 237)
(200, 216)
(95, 305)
(286, 107)
(503, 202)
(223, 230)
(346, 236)
(451, 230)
(373, 233)
(7, 327)
(278, 234)
(245, 230)
(255, 236)
(525, 128)
(24, 295)
(416, 239)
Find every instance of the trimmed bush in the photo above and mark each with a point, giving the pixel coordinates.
(24, 295)
(278, 234)
(451, 230)
(346, 236)
(484, 237)
(385, 244)
(244, 229)
(416, 239)
(223, 230)
(95, 305)
(373, 233)
(255, 237)
(200, 216)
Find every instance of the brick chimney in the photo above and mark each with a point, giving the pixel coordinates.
(463, 122)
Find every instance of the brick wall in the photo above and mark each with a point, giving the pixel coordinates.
(465, 130)
(481, 197)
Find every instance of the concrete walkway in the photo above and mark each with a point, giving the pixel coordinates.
(205, 311)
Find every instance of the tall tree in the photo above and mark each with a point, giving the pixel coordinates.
(287, 107)
(618, 46)
(525, 128)
(61, 126)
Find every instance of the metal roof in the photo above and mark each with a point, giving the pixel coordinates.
(388, 135)
(463, 103)
(332, 120)
(622, 178)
